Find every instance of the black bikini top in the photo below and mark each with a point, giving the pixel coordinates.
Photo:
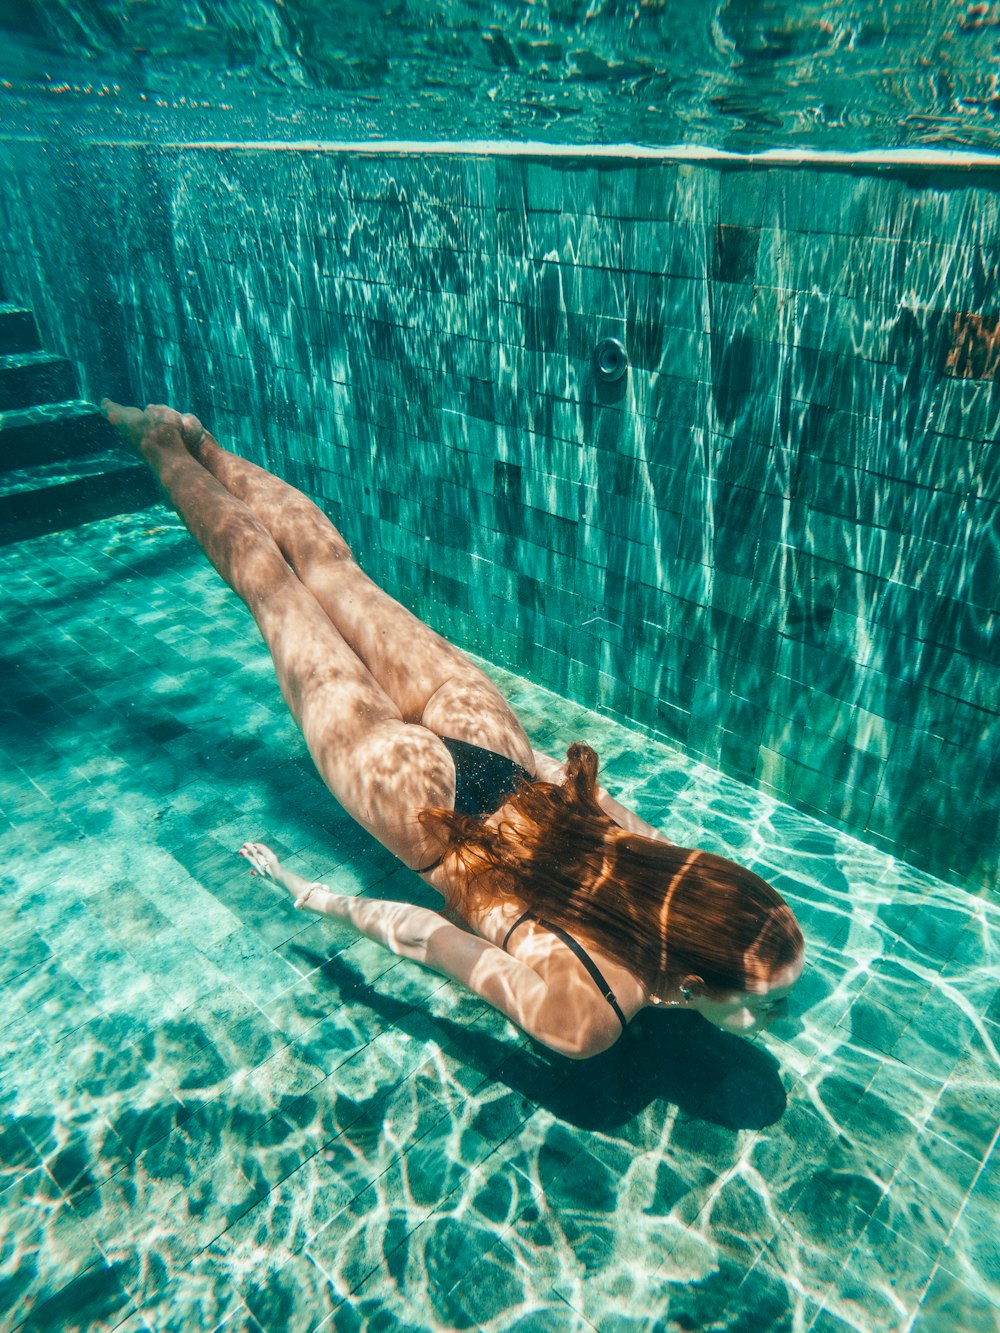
(581, 953)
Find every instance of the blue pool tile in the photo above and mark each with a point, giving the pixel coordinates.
(882, 1283)
(254, 1105)
(34, 1208)
(950, 1303)
(94, 1299)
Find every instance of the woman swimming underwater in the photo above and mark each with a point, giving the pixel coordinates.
(576, 913)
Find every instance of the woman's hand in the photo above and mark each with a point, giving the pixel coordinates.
(307, 893)
(262, 861)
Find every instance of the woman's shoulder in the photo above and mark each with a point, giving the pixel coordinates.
(493, 921)
(560, 961)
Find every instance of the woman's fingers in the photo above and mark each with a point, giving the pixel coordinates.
(259, 856)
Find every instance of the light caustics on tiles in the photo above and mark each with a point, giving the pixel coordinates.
(310, 1119)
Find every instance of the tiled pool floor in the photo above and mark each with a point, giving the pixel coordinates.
(220, 1112)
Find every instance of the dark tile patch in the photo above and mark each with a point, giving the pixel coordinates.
(481, 400)
(95, 1299)
(734, 258)
(733, 362)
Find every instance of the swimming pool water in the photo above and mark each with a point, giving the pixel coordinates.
(219, 1112)
(736, 74)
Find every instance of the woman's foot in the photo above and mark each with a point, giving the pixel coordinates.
(194, 435)
(138, 428)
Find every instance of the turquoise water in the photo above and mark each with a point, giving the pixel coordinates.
(218, 1112)
(735, 74)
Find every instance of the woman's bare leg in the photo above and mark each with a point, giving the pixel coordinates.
(380, 768)
(430, 680)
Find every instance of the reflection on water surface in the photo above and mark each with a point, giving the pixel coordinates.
(739, 75)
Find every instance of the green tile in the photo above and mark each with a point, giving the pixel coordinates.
(948, 1302)
(296, 1083)
(65, 1250)
(883, 1281)
(94, 1299)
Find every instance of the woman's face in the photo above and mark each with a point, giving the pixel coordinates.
(749, 1011)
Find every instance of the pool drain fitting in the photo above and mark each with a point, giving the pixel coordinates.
(610, 360)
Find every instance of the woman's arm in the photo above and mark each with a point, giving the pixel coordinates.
(506, 983)
(550, 771)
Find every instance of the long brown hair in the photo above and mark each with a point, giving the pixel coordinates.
(664, 912)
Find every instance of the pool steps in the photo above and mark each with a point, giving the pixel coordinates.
(27, 378)
(60, 462)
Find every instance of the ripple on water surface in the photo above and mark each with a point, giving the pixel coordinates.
(736, 74)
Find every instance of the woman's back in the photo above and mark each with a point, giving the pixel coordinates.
(552, 878)
(557, 956)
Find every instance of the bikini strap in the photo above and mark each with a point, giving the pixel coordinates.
(595, 972)
(591, 967)
(525, 916)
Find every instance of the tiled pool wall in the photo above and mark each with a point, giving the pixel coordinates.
(776, 542)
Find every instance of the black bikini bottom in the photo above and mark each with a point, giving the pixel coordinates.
(484, 780)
